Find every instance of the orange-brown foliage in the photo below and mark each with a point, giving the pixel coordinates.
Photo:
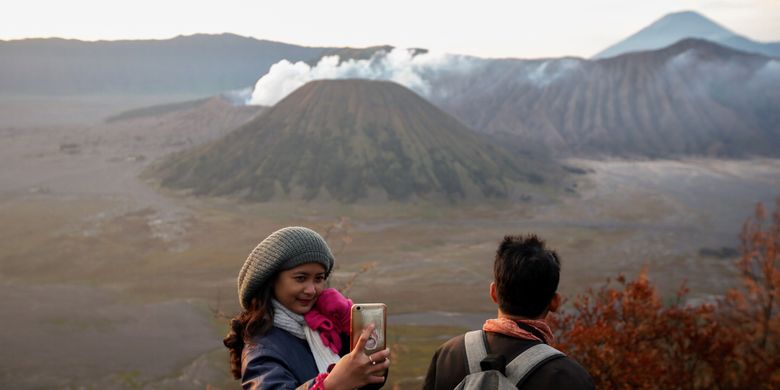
(628, 339)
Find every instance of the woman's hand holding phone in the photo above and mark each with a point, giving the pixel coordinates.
(356, 369)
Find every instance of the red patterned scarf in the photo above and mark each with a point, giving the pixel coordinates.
(510, 328)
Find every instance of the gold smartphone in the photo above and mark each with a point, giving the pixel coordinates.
(363, 314)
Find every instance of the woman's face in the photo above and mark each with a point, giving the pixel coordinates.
(298, 288)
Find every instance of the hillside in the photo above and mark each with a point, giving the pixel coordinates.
(196, 65)
(350, 140)
(692, 98)
(157, 131)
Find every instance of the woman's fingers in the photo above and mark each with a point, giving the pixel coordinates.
(355, 370)
(361, 343)
(379, 370)
(381, 356)
(376, 379)
(381, 362)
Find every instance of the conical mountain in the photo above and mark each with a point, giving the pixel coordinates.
(677, 26)
(348, 140)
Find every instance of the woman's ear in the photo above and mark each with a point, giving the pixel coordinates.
(493, 293)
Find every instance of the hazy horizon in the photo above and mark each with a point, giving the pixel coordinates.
(492, 29)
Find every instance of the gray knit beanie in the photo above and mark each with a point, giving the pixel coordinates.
(284, 249)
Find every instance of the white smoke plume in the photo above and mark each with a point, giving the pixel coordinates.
(549, 71)
(770, 72)
(399, 65)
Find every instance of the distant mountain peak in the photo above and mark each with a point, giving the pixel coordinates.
(690, 24)
(672, 28)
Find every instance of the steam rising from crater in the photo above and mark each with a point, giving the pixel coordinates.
(399, 65)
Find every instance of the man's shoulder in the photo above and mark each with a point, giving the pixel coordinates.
(452, 351)
(561, 372)
(453, 344)
(448, 365)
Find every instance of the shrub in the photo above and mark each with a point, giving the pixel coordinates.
(628, 339)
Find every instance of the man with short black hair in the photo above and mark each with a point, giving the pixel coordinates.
(525, 285)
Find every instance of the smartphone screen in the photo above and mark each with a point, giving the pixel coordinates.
(363, 314)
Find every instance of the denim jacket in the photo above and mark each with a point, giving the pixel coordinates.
(277, 360)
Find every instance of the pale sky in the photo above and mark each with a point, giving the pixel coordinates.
(485, 28)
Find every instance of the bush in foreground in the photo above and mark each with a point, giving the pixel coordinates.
(628, 338)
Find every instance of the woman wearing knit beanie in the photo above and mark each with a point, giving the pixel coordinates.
(291, 331)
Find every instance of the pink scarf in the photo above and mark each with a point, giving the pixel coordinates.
(510, 328)
(330, 317)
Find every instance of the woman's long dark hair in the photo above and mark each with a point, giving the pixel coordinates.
(256, 320)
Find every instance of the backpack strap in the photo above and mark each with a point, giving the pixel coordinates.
(475, 350)
(525, 363)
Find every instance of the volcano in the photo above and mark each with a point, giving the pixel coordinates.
(348, 140)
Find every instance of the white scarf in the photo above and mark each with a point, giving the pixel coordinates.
(294, 323)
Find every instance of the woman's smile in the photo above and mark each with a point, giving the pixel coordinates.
(298, 288)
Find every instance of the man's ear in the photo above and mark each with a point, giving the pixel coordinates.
(555, 303)
(493, 293)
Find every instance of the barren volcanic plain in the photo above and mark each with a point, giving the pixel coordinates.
(110, 282)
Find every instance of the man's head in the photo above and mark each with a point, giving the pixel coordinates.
(526, 277)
